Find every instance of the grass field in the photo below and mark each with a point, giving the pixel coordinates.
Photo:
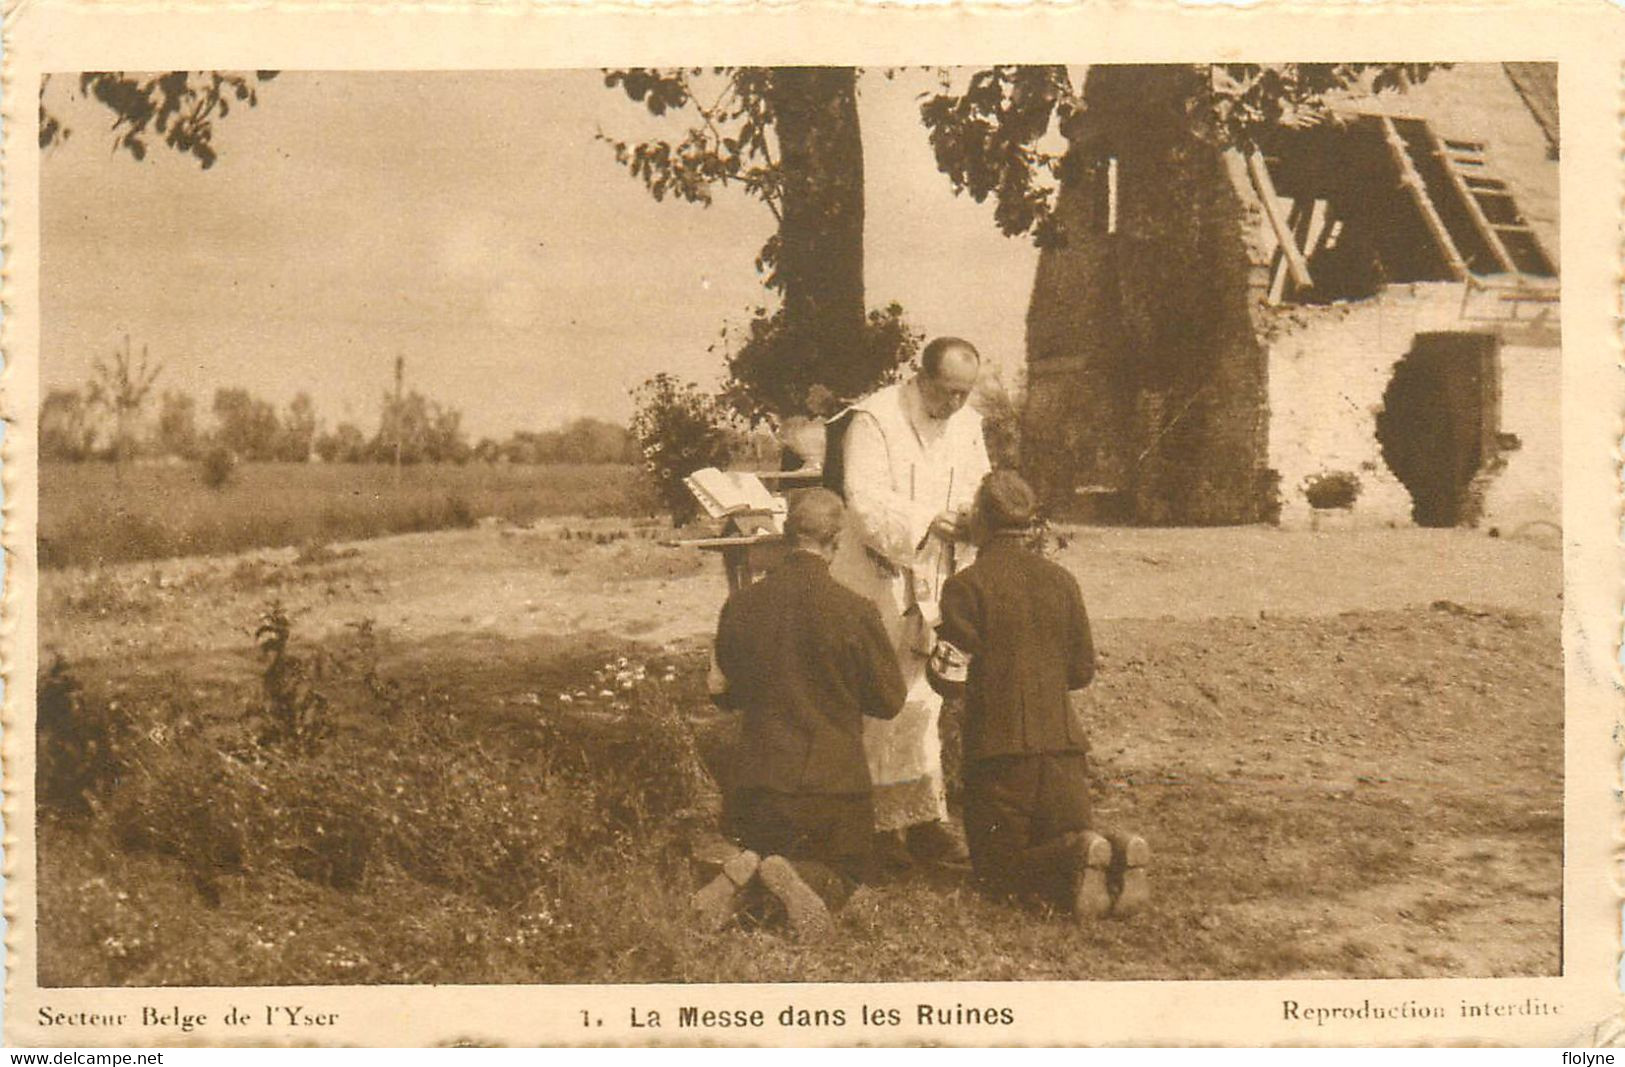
(89, 515)
(1368, 787)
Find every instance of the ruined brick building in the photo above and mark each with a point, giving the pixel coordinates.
(1365, 308)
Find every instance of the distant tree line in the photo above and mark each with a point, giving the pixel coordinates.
(94, 423)
(585, 440)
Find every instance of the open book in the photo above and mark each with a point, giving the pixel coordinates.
(724, 493)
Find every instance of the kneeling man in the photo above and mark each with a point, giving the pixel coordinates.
(806, 660)
(1019, 620)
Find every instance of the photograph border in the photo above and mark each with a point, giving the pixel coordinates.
(1580, 1008)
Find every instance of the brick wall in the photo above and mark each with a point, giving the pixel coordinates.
(1144, 370)
(1078, 386)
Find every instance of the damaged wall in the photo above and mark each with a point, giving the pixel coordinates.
(1331, 366)
(1480, 102)
(1125, 327)
(1529, 489)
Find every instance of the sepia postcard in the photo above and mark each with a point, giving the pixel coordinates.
(812, 524)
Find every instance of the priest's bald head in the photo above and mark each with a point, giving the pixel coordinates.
(949, 367)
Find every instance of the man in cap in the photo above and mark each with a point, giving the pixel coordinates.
(910, 459)
(808, 662)
(1019, 621)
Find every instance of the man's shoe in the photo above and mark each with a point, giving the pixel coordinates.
(937, 842)
(717, 902)
(1092, 856)
(807, 912)
(1131, 889)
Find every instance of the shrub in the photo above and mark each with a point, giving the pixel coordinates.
(218, 468)
(635, 769)
(251, 809)
(679, 430)
(459, 512)
(482, 828)
(447, 836)
(78, 743)
(771, 376)
(291, 709)
(1331, 489)
(182, 800)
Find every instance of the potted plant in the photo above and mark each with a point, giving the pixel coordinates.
(1331, 496)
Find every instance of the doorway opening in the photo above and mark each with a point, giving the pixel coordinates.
(1440, 420)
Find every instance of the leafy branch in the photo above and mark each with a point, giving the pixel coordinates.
(177, 108)
(728, 144)
(986, 139)
(986, 142)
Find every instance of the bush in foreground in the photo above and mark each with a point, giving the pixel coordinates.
(508, 833)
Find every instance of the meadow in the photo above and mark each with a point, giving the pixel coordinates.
(486, 767)
(91, 513)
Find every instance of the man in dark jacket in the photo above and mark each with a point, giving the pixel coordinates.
(1020, 622)
(805, 659)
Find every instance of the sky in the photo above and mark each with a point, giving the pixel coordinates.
(470, 223)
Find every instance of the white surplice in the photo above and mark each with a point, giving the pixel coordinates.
(903, 469)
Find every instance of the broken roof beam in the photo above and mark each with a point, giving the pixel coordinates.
(1469, 198)
(1411, 179)
(1279, 270)
(1265, 188)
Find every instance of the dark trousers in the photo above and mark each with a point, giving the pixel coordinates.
(827, 837)
(1018, 811)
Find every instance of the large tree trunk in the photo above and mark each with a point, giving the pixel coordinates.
(820, 258)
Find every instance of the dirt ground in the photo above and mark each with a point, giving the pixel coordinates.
(1346, 747)
(601, 576)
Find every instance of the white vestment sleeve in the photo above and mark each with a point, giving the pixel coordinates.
(892, 524)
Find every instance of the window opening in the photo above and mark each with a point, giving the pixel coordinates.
(1439, 428)
(1111, 194)
(1103, 194)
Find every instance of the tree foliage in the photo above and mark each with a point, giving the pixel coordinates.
(248, 426)
(297, 434)
(582, 440)
(177, 433)
(988, 139)
(175, 108)
(345, 443)
(767, 379)
(727, 142)
(120, 389)
(67, 430)
(788, 136)
(415, 429)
